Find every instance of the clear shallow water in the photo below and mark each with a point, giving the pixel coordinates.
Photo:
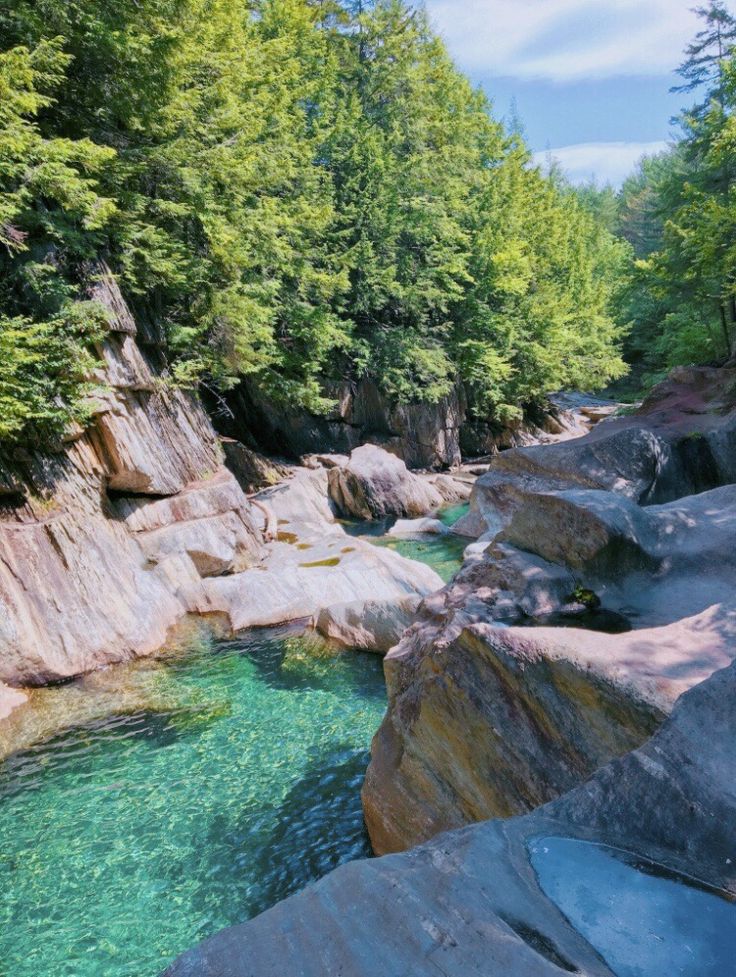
(443, 553)
(644, 921)
(196, 792)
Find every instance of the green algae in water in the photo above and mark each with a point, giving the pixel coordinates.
(132, 836)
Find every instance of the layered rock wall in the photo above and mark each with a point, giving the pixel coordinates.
(96, 538)
(423, 435)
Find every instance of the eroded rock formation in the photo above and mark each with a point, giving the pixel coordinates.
(423, 435)
(506, 692)
(136, 522)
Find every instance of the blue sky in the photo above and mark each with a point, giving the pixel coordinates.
(590, 78)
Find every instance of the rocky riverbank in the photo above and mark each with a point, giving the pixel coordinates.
(599, 591)
(508, 690)
(109, 543)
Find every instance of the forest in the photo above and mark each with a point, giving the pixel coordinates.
(308, 190)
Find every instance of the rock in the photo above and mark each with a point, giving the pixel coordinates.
(210, 522)
(490, 724)
(109, 543)
(252, 470)
(10, 699)
(469, 903)
(375, 484)
(681, 441)
(548, 705)
(367, 625)
(325, 461)
(298, 584)
(453, 488)
(423, 435)
(134, 421)
(418, 527)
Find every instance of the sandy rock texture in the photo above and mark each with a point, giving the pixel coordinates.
(468, 904)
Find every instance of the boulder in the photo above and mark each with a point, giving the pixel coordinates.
(252, 470)
(367, 625)
(375, 484)
(491, 724)
(681, 441)
(548, 705)
(418, 527)
(470, 902)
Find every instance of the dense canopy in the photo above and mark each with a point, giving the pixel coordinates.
(299, 192)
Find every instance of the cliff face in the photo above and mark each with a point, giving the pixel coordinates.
(97, 540)
(422, 435)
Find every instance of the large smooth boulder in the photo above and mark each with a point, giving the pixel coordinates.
(486, 721)
(375, 484)
(372, 625)
(469, 903)
(681, 441)
(490, 724)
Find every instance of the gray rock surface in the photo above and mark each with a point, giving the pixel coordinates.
(548, 705)
(374, 484)
(468, 903)
(423, 435)
(681, 441)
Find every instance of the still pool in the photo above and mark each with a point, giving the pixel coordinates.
(183, 795)
(643, 920)
(443, 553)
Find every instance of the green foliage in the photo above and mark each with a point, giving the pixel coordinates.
(678, 211)
(299, 192)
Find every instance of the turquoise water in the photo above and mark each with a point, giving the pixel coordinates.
(443, 553)
(644, 921)
(182, 796)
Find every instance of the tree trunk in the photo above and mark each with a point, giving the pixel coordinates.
(726, 333)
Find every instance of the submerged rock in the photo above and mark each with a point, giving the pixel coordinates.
(469, 902)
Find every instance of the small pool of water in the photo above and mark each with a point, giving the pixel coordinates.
(183, 795)
(443, 553)
(643, 920)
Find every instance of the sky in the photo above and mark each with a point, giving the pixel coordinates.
(590, 79)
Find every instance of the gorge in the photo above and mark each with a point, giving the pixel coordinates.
(367, 493)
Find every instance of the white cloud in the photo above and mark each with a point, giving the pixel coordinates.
(565, 40)
(608, 162)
